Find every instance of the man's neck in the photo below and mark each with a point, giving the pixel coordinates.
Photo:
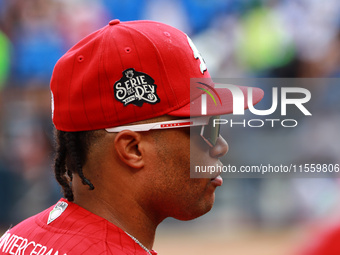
(126, 214)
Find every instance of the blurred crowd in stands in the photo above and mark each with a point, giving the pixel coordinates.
(237, 38)
(248, 37)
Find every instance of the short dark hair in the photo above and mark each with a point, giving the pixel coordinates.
(72, 149)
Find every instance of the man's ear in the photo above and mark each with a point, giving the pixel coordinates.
(127, 145)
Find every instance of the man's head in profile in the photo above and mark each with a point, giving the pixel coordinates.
(130, 124)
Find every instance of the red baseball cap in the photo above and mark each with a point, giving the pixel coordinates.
(132, 71)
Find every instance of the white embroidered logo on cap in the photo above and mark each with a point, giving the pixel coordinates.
(197, 55)
(57, 211)
(52, 104)
(136, 88)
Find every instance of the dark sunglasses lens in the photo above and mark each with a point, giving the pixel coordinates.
(212, 131)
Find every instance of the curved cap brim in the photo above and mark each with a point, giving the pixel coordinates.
(221, 99)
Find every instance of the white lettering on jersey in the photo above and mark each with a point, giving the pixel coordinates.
(17, 245)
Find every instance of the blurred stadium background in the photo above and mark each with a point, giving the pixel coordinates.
(237, 38)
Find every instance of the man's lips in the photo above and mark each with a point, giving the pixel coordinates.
(217, 181)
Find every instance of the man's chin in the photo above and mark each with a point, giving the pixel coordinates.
(192, 213)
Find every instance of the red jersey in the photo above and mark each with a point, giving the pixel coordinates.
(324, 243)
(68, 229)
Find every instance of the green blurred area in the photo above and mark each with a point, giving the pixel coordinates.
(4, 59)
(265, 43)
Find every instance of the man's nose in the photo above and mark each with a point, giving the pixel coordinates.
(220, 148)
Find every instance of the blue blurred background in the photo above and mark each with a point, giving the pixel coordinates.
(237, 38)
